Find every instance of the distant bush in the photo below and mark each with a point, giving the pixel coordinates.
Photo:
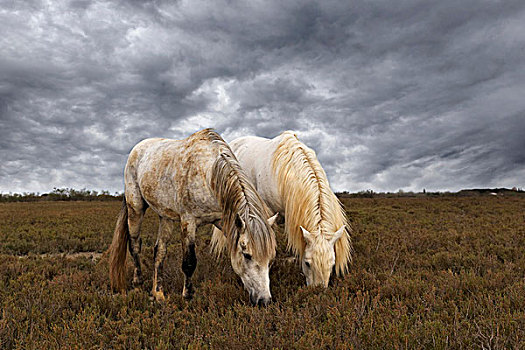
(463, 193)
(70, 194)
(61, 194)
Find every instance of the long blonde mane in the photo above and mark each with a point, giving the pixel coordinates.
(236, 195)
(309, 202)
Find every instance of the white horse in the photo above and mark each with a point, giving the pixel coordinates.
(289, 178)
(198, 181)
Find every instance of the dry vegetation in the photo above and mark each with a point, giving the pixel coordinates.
(441, 273)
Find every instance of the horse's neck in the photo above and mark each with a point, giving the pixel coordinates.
(314, 202)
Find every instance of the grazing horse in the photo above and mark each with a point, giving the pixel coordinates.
(195, 181)
(290, 179)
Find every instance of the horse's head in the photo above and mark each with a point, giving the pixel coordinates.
(252, 266)
(319, 256)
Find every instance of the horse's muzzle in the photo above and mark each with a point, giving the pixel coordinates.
(254, 300)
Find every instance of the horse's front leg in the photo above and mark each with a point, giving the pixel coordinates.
(189, 259)
(159, 254)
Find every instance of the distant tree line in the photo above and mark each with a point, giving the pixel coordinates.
(463, 193)
(70, 194)
(61, 194)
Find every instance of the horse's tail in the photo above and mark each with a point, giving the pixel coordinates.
(118, 250)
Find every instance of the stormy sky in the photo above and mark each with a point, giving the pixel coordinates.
(391, 94)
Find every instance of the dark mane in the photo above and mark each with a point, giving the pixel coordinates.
(237, 196)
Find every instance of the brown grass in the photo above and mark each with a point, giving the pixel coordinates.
(427, 273)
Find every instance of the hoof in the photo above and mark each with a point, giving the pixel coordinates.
(187, 293)
(158, 296)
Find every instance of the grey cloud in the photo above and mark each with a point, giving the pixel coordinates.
(409, 95)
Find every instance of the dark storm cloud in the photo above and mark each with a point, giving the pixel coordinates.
(404, 95)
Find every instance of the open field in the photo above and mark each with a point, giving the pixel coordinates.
(443, 272)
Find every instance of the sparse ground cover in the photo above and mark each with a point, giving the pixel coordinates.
(440, 272)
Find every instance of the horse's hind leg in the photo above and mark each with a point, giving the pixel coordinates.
(159, 254)
(189, 259)
(135, 215)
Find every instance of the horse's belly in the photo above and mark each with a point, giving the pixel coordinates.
(160, 197)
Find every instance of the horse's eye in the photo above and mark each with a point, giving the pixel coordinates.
(307, 264)
(247, 256)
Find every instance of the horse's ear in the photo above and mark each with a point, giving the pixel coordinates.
(271, 220)
(239, 222)
(307, 235)
(337, 234)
